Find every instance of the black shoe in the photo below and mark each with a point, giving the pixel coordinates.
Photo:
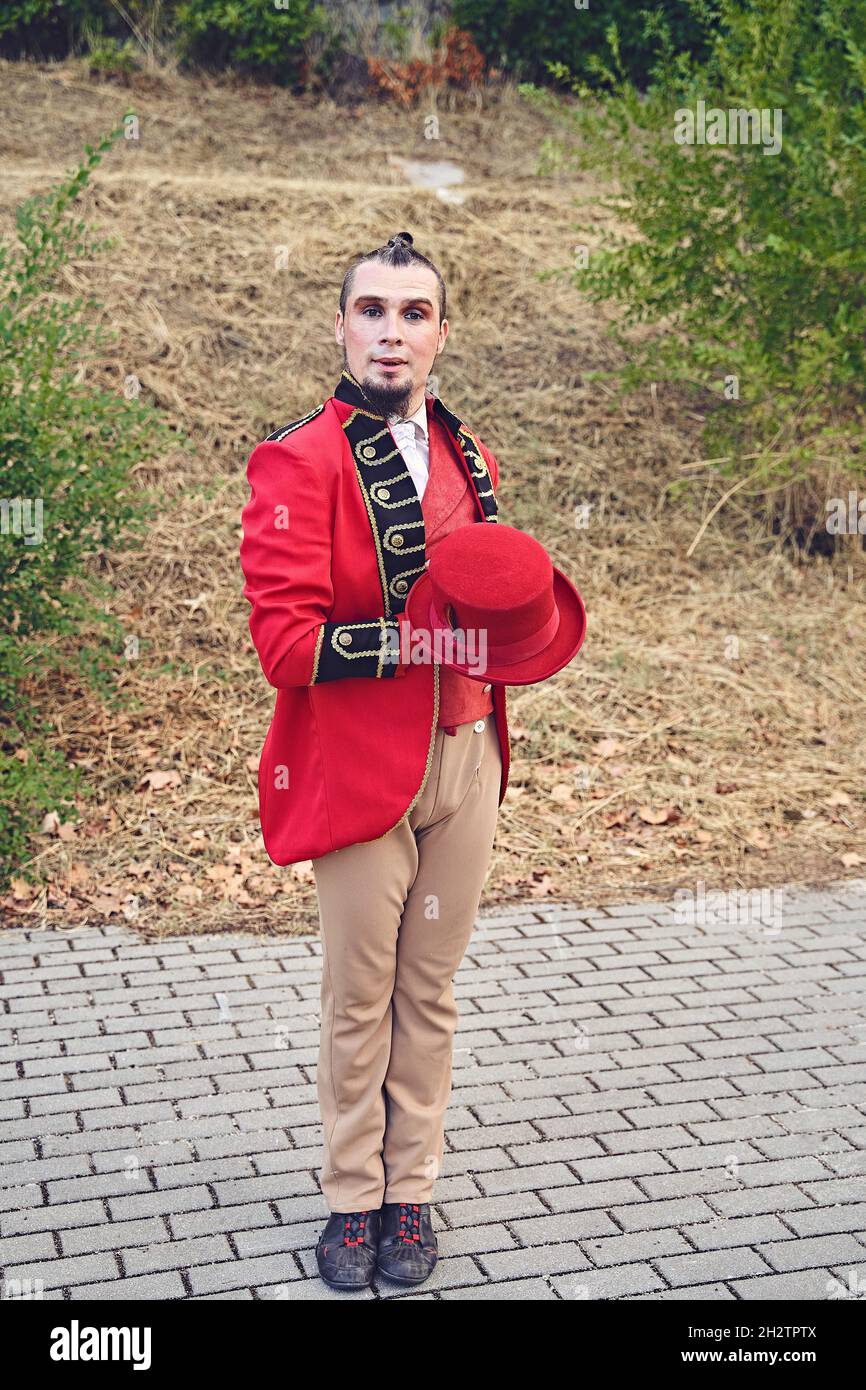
(407, 1244)
(346, 1251)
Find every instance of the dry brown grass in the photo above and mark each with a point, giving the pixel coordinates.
(755, 759)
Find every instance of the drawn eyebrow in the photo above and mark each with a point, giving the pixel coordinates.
(377, 299)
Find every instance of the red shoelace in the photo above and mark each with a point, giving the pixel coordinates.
(354, 1228)
(409, 1222)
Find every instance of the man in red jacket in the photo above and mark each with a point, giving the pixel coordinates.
(385, 771)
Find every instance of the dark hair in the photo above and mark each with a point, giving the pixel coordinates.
(398, 251)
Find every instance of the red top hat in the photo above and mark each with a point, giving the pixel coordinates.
(516, 618)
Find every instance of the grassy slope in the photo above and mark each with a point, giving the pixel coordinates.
(756, 754)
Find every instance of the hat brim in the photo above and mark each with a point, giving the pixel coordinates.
(563, 647)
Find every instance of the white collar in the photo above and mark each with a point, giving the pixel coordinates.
(420, 417)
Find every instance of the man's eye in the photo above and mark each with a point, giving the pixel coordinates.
(375, 309)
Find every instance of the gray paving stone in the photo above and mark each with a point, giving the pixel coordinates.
(151, 1203)
(561, 1258)
(27, 1249)
(57, 1272)
(808, 1252)
(163, 1286)
(110, 1235)
(641, 1109)
(808, 1284)
(608, 1283)
(211, 1220)
(543, 1230)
(711, 1293)
(44, 1218)
(649, 1216)
(175, 1254)
(520, 1179)
(482, 1209)
(735, 1263)
(783, 1200)
(747, 1230)
(639, 1245)
(848, 1216)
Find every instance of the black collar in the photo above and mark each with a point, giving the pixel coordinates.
(389, 492)
(349, 389)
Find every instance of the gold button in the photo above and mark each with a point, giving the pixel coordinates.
(398, 540)
(383, 493)
(401, 586)
(345, 638)
(368, 451)
(488, 687)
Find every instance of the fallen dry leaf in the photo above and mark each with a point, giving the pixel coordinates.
(541, 887)
(663, 816)
(158, 778)
(106, 905)
(263, 887)
(221, 873)
(757, 839)
(136, 870)
(837, 799)
(608, 748)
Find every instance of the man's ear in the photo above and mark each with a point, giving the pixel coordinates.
(338, 329)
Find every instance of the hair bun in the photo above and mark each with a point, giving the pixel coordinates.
(405, 237)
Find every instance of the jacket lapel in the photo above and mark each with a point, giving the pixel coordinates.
(388, 489)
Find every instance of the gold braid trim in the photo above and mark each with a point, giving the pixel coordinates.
(317, 653)
(383, 576)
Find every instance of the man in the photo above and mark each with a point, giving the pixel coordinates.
(385, 771)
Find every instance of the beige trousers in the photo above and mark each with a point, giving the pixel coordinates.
(396, 917)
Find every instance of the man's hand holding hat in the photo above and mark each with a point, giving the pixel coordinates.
(497, 584)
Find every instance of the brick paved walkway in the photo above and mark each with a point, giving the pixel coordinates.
(643, 1108)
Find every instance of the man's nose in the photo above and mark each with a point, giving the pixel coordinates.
(391, 330)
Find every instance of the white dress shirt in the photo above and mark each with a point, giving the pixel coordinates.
(410, 436)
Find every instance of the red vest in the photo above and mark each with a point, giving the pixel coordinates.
(448, 503)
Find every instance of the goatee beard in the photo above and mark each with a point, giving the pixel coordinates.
(385, 399)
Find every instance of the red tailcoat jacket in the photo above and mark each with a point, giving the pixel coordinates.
(333, 540)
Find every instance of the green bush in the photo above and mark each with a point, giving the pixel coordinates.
(522, 36)
(111, 57)
(27, 790)
(262, 36)
(248, 34)
(47, 29)
(752, 265)
(66, 451)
